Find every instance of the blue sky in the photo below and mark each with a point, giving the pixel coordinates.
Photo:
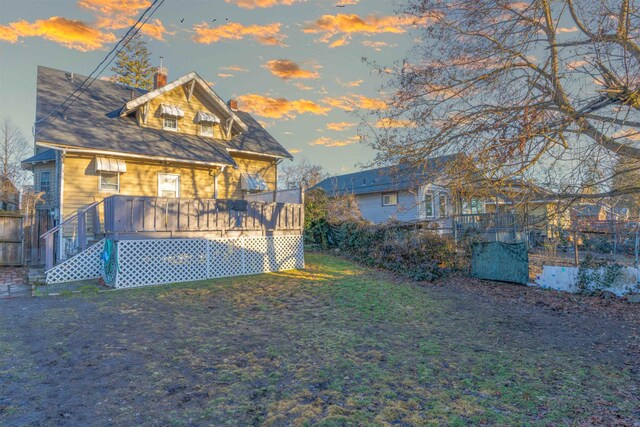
(297, 65)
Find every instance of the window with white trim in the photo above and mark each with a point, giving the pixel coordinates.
(429, 205)
(442, 204)
(45, 181)
(168, 185)
(110, 181)
(389, 199)
(170, 123)
(206, 129)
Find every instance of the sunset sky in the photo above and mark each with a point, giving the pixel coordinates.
(296, 65)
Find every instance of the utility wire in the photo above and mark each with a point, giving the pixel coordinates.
(124, 41)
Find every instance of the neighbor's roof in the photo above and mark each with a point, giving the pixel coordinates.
(41, 157)
(388, 178)
(93, 122)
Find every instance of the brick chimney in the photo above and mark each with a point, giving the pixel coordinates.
(160, 78)
(233, 104)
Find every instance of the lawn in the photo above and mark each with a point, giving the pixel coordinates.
(336, 344)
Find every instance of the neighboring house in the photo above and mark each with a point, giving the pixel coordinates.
(403, 193)
(9, 195)
(180, 140)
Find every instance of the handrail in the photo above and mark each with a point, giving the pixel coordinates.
(71, 218)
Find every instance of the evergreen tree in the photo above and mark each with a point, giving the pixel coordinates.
(133, 67)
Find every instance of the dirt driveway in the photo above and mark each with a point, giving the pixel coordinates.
(336, 344)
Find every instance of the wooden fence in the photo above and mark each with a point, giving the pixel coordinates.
(11, 239)
(154, 217)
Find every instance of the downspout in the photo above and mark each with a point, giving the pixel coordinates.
(61, 253)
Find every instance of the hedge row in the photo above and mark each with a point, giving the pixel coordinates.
(417, 253)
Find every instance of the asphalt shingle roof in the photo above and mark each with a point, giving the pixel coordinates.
(43, 156)
(93, 122)
(388, 178)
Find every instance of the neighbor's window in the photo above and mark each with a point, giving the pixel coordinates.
(170, 123)
(45, 181)
(109, 181)
(429, 207)
(389, 199)
(206, 129)
(442, 204)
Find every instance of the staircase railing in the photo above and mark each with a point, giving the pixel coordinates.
(78, 223)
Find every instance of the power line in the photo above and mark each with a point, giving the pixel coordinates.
(124, 41)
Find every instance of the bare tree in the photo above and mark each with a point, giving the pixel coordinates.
(14, 147)
(528, 89)
(303, 174)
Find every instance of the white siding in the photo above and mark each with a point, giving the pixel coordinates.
(371, 207)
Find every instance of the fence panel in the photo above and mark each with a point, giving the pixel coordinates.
(504, 262)
(11, 243)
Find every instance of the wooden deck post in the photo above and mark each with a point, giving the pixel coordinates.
(48, 241)
(82, 231)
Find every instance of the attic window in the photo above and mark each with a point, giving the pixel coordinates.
(170, 123)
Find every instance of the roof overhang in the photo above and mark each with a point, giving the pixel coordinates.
(192, 76)
(71, 149)
(254, 153)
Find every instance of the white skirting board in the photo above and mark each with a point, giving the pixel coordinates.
(159, 261)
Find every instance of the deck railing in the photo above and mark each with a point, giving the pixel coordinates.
(125, 215)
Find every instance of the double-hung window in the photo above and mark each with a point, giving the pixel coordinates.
(429, 205)
(170, 123)
(110, 181)
(206, 129)
(442, 204)
(45, 181)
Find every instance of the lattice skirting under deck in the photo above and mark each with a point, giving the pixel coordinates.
(83, 266)
(158, 261)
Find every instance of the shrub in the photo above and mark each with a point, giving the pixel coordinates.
(596, 274)
(416, 253)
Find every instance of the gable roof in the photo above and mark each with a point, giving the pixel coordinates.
(42, 157)
(192, 76)
(388, 178)
(93, 123)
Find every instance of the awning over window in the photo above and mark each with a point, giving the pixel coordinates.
(253, 182)
(109, 164)
(204, 117)
(171, 110)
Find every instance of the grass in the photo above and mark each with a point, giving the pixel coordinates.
(332, 345)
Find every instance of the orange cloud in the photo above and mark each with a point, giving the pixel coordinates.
(264, 34)
(328, 142)
(388, 122)
(354, 83)
(302, 86)
(277, 108)
(351, 102)
(118, 14)
(329, 26)
(287, 69)
(224, 75)
(339, 125)
(70, 33)
(377, 45)
(295, 151)
(252, 4)
(233, 68)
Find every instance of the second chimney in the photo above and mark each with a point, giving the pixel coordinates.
(233, 104)
(160, 78)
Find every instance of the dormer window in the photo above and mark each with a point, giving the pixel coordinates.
(206, 129)
(170, 123)
(170, 115)
(206, 121)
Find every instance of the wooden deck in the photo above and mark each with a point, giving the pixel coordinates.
(128, 217)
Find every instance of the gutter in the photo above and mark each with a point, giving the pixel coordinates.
(130, 155)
